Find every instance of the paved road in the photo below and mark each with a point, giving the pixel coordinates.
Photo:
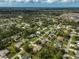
(18, 54)
(67, 48)
(69, 42)
(77, 55)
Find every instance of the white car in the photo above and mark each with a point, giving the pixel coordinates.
(77, 43)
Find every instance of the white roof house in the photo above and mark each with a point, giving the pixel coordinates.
(3, 53)
(77, 43)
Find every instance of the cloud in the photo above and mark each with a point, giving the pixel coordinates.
(47, 1)
(66, 0)
(19, 0)
(63, 1)
(51, 1)
(26, 0)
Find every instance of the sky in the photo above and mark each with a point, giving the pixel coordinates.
(39, 3)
